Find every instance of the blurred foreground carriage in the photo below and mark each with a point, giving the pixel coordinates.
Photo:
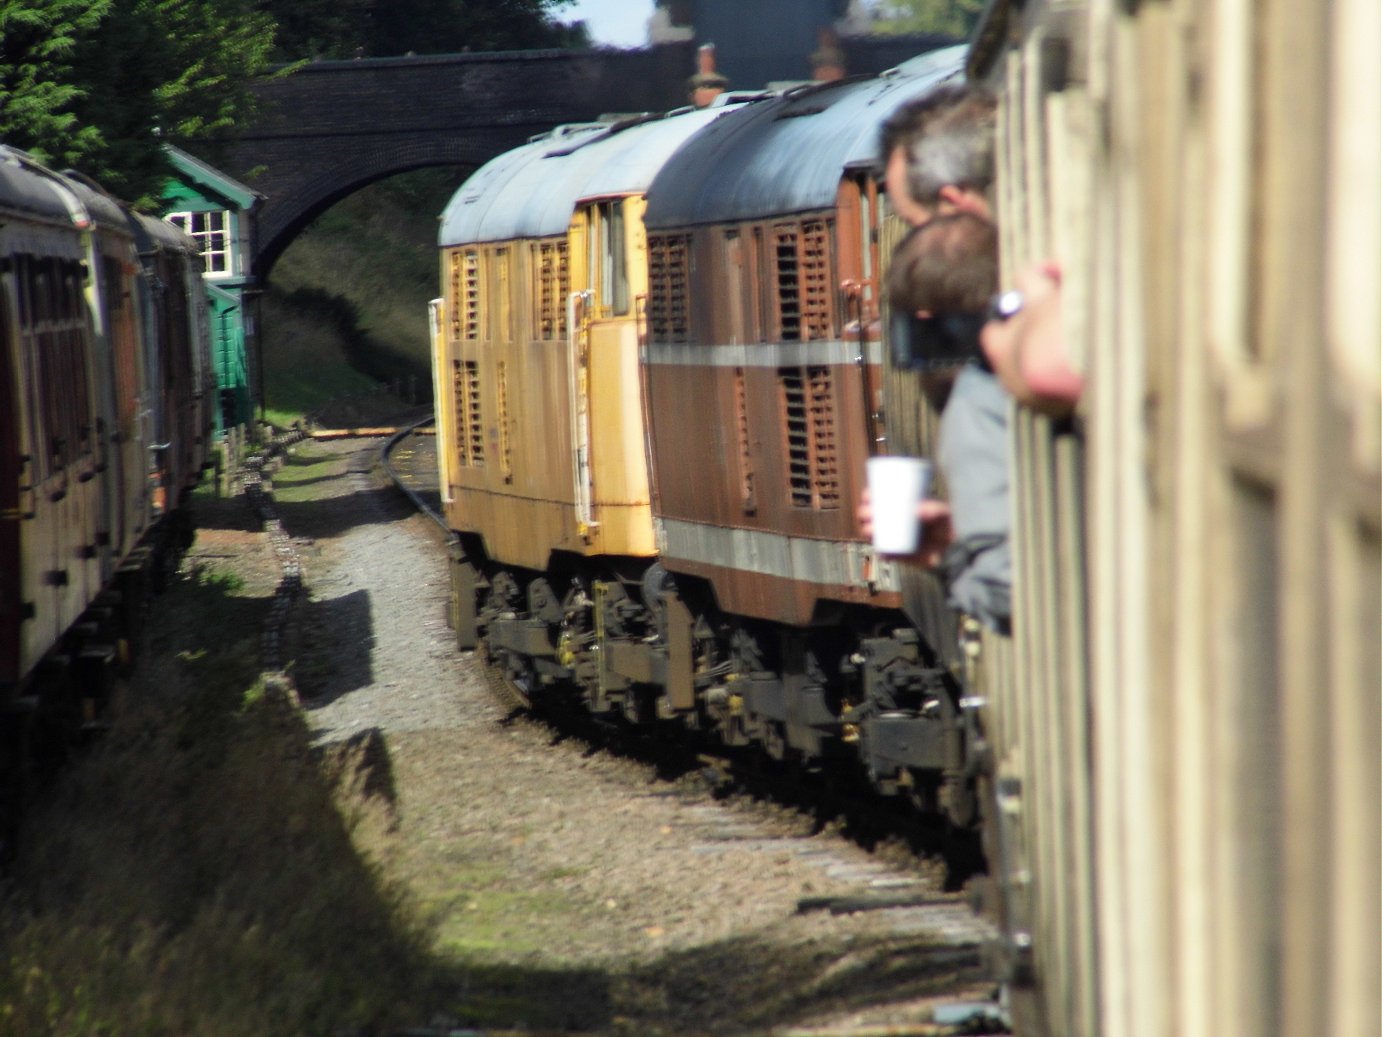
(1185, 727)
(105, 423)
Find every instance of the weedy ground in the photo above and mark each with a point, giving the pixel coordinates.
(193, 871)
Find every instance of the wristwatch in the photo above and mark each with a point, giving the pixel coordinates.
(1006, 305)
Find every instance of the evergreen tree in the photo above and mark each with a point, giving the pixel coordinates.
(38, 91)
(100, 85)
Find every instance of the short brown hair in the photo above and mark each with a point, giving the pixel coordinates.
(947, 265)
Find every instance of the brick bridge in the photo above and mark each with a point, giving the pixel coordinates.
(333, 127)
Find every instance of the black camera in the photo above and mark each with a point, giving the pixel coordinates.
(937, 343)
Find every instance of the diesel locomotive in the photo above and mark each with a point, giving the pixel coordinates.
(106, 387)
(659, 370)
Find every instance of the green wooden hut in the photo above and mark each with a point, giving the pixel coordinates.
(219, 212)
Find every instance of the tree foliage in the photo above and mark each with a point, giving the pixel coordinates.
(38, 90)
(99, 85)
(955, 18)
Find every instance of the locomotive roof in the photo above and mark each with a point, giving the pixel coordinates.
(531, 191)
(787, 154)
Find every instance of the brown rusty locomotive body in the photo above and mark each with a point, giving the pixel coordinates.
(655, 413)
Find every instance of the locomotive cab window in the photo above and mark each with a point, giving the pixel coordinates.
(609, 257)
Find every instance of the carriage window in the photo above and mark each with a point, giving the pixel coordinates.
(53, 323)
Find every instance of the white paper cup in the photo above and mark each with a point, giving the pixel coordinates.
(896, 487)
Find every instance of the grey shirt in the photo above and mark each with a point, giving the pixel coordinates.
(973, 451)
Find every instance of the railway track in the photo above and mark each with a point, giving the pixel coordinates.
(409, 456)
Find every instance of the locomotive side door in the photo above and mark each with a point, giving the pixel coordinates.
(578, 392)
(578, 316)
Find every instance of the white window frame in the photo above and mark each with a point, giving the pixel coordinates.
(212, 230)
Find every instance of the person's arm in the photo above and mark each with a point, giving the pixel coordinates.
(1026, 347)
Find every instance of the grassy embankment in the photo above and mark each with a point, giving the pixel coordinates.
(193, 872)
(346, 309)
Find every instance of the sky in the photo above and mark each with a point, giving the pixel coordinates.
(613, 23)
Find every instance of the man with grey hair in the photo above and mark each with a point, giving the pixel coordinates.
(937, 153)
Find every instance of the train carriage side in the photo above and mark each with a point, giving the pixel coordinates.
(48, 406)
(178, 370)
(73, 524)
(113, 271)
(1186, 727)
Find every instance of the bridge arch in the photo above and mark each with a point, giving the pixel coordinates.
(314, 194)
